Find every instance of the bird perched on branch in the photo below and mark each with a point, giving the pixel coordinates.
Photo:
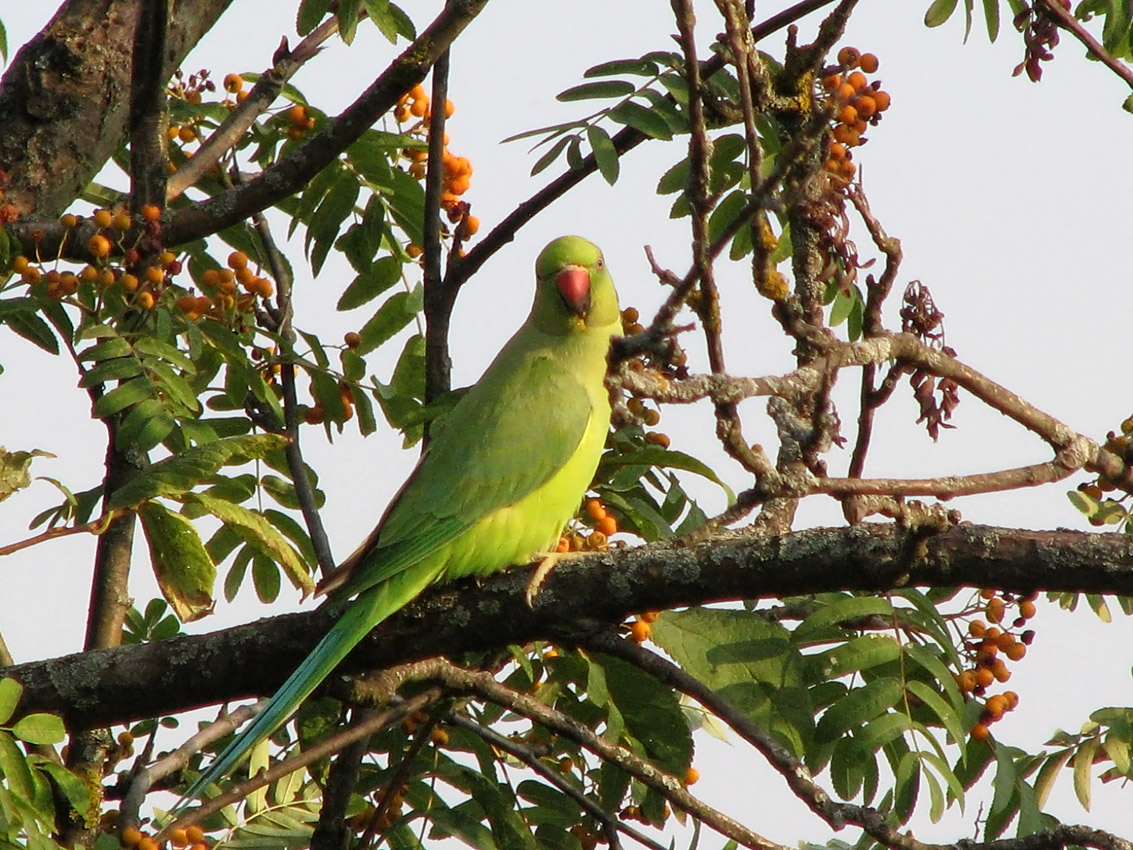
(503, 473)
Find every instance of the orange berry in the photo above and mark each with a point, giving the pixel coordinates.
(881, 98)
(233, 83)
(419, 107)
(866, 106)
(241, 96)
(980, 732)
(848, 115)
(401, 114)
(245, 276)
(129, 282)
(995, 609)
(186, 133)
(460, 185)
(857, 80)
(1012, 699)
(130, 836)
(449, 108)
(564, 544)
(68, 220)
(195, 834)
(106, 277)
(837, 151)
(155, 274)
(869, 63)
(122, 221)
(1005, 640)
(999, 671)
(847, 169)
(849, 56)
(1016, 651)
(976, 628)
(263, 287)
(417, 170)
(297, 115)
(168, 258)
(151, 212)
(352, 339)
(89, 274)
(469, 227)
(99, 246)
(607, 525)
(966, 681)
(832, 83)
(20, 264)
(103, 218)
(987, 592)
(1026, 609)
(639, 631)
(846, 91)
(594, 510)
(417, 92)
(237, 260)
(179, 837)
(413, 250)
(692, 775)
(984, 677)
(145, 300)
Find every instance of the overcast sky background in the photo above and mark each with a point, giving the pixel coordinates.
(1011, 203)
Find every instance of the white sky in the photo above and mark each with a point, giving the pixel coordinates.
(1008, 198)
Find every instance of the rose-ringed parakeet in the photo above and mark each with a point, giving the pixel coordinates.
(504, 472)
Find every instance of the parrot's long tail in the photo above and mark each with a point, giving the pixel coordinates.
(362, 615)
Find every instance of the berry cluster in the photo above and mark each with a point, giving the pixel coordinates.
(989, 644)
(457, 169)
(857, 103)
(647, 416)
(641, 629)
(192, 837)
(604, 526)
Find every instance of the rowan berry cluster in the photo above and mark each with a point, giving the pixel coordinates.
(192, 837)
(457, 169)
(603, 524)
(641, 628)
(856, 103)
(990, 646)
(316, 414)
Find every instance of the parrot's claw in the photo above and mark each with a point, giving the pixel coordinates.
(547, 563)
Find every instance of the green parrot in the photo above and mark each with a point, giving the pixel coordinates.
(503, 473)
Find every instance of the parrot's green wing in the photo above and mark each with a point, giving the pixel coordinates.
(486, 457)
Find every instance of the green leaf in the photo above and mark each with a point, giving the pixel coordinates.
(665, 459)
(861, 653)
(40, 729)
(642, 119)
(176, 475)
(1083, 761)
(327, 219)
(14, 470)
(947, 715)
(651, 713)
(310, 15)
(14, 767)
(604, 152)
(260, 533)
(550, 156)
(371, 283)
(638, 67)
(32, 328)
(123, 396)
(858, 707)
(114, 369)
(588, 91)
(391, 317)
(146, 425)
(991, 18)
(185, 572)
(10, 693)
(939, 12)
(747, 660)
(844, 609)
(77, 794)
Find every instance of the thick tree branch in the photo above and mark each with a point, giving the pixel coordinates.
(64, 99)
(128, 683)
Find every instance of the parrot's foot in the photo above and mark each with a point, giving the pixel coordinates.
(546, 563)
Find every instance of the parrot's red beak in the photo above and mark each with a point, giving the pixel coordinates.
(574, 288)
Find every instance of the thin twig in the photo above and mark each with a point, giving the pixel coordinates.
(1071, 24)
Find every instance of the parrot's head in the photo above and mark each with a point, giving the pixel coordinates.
(574, 289)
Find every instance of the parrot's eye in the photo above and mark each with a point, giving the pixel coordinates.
(601, 263)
